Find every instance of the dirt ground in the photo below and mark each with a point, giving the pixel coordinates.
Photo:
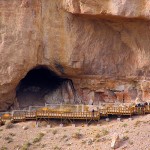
(134, 135)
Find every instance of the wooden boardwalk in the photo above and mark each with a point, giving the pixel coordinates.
(55, 115)
(85, 113)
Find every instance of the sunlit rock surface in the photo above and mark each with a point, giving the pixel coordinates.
(103, 46)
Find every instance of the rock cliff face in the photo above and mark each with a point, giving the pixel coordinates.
(102, 46)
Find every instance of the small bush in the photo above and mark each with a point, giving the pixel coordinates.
(83, 142)
(137, 123)
(127, 131)
(64, 136)
(43, 145)
(38, 138)
(130, 142)
(124, 125)
(12, 134)
(26, 146)
(43, 124)
(102, 139)
(105, 132)
(57, 148)
(97, 135)
(8, 139)
(54, 132)
(3, 148)
(125, 138)
(9, 125)
(17, 147)
(1, 130)
(77, 135)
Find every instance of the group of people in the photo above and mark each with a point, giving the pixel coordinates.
(142, 104)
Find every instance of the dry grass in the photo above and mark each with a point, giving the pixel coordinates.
(8, 139)
(26, 146)
(9, 125)
(1, 130)
(102, 140)
(130, 142)
(125, 125)
(54, 132)
(3, 148)
(38, 138)
(137, 123)
(126, 131)
(125, 138)
(17, 147)
(77, 135)
(57, 148)
(64, 136)
(105, 132)
(97, 135)
(83, 142)
(43, 145)
(12, 134)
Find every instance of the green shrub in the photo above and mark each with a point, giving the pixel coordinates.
(124, 125)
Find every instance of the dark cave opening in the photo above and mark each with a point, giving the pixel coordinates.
(41, 77)
(40, 82)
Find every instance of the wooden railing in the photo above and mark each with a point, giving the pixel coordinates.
(19, 115)
(70, 115)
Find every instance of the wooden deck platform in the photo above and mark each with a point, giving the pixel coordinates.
(55, 115)
(84, 113)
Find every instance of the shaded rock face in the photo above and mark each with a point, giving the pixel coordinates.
(103, 47)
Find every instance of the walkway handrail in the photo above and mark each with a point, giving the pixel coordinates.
(87, 112)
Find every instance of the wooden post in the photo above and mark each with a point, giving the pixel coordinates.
(82, 108)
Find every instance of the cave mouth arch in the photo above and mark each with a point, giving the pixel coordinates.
(41, 85)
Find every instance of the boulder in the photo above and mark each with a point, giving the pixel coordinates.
(25, 127)
(115, 142)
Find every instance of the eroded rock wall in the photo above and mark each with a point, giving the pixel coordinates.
(109, 54)
(20, 39)
(102, 46)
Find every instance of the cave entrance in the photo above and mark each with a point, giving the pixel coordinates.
(41, 85)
